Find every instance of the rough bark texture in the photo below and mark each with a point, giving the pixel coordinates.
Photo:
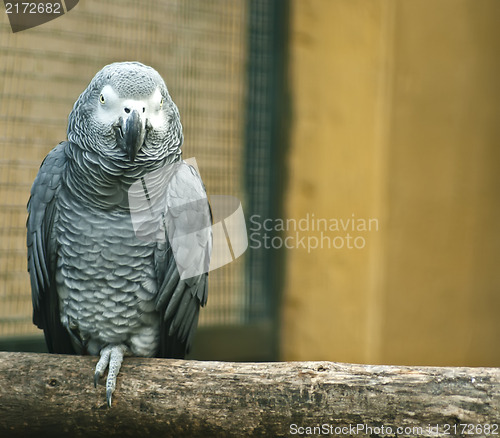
(53, 395)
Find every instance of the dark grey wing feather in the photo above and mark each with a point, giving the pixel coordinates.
(42, 248)
(180, 310)
(182, 262)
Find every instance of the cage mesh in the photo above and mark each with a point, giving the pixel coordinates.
(200, 49)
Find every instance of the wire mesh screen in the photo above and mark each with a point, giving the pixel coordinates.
(263, 154)
(199, 47)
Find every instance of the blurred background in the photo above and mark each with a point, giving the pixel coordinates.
(362, 137)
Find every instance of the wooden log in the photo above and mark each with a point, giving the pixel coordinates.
(53, 395)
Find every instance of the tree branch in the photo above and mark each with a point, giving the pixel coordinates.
(53, 395)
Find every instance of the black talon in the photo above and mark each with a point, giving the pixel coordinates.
(109, 394)
(96, 379)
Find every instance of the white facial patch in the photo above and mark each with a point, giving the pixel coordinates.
(155, 115)
(110, 107)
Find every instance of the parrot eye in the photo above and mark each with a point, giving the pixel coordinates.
(101, 99)
(161, 102)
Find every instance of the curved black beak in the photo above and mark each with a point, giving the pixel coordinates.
(130, 133)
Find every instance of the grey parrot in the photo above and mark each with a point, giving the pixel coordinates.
(102, 284)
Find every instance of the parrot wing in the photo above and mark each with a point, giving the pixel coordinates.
(42, 249)
(182, 267)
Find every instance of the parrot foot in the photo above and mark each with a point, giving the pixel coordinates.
(111, 358)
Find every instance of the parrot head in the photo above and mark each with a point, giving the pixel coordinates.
(127, 114)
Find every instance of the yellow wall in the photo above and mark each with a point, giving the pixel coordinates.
(396, 111)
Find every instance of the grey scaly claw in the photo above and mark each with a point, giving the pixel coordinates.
(112, 357)
(102, 364)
